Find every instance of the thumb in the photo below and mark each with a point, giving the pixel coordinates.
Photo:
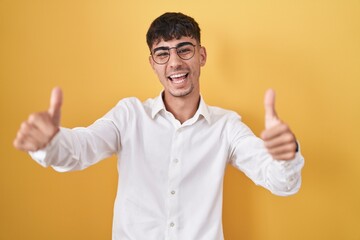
(55, 105)
(271, 118)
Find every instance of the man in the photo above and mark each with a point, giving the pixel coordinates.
(172, 149)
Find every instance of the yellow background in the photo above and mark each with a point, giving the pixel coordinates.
(308, 51)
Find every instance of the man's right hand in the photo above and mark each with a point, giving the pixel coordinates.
(37, 131)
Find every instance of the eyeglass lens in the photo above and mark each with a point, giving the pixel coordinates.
(184, 50)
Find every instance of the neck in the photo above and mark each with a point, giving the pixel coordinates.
(183, 108)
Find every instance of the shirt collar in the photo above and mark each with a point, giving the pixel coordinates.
(159, 105)
(203, 110)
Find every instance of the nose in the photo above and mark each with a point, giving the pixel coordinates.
(174, 59)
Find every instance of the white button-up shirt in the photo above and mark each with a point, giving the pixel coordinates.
(170, 174)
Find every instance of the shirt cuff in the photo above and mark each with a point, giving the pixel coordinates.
(286, 175)
(39, 156)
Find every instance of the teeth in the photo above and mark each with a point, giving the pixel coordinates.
(178, 75)
(178, 81)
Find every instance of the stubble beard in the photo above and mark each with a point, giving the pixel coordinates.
(182, 93)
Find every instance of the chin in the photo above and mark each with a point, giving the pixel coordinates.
(182, 93)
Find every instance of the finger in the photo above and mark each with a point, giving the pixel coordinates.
(282, 140)
(26, 145)
(31, 137)
(39, 137)
(25, 142)
(282, 149)
(271, 118)
(26, 130)
(275, 131)
(18, 141)
(44, 123)
(56, 100)
(269, 103)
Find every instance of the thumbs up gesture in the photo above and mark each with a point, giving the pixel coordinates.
(38, 130)
(279, 139)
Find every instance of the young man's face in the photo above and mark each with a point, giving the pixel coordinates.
(179, 77)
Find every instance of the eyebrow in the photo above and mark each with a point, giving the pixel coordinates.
(167, 48)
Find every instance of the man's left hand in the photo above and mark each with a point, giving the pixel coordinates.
(278, 137)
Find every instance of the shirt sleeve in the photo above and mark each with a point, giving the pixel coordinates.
(79, 148)
(248, 154)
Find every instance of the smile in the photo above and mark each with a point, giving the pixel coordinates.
(178, 78)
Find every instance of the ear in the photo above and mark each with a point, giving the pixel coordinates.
(151, 61)
(203, 56)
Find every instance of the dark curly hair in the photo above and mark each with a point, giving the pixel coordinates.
(172, 25)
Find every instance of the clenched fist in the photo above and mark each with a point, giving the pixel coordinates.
(278, 137)
(37, 131)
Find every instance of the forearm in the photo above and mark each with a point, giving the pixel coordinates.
(76, 149)
(281, 177)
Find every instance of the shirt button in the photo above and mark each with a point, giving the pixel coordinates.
(172, 192)
(176, 160)
(172, 224)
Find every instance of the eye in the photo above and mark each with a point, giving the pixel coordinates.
(161, 54)
(184, 50)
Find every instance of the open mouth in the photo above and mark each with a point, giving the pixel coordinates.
(178, 78)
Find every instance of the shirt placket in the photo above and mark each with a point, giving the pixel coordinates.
(173, 221)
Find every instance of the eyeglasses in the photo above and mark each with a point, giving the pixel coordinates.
(184, 50)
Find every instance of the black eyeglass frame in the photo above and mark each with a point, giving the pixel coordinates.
(182, 44)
